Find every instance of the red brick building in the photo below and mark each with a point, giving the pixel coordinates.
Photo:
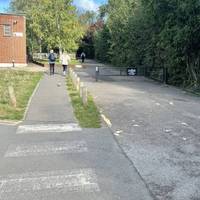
(12, 40)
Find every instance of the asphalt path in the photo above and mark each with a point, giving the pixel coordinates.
(157, 126)
(48, 156)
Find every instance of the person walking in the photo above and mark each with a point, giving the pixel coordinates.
(83, 57)
(52, 60)
(65, 59)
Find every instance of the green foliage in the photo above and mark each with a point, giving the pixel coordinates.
(50, 24)
(164, 33)
(102, 45)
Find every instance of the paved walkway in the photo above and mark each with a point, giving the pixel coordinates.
(49, 157)
(51, 103)
(158, 128)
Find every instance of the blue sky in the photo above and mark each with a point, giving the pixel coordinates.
(83, 4)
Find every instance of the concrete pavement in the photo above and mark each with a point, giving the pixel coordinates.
(49, 156)
(158, 128)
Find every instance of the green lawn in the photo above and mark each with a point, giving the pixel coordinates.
(88, 116)
(75, 62)
(23, 83)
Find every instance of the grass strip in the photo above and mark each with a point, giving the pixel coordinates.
(23, 83)
(88, 116)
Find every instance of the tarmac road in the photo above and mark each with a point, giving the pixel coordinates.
(157, 126)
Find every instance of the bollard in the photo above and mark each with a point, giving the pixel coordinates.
(12, 96)
(13, 63)
(81, 89)
(84, 96)
(78, 83)
(97, 73)
(73, 77)
(165, 75)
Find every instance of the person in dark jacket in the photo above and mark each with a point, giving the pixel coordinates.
(52, 60)
(83, 57)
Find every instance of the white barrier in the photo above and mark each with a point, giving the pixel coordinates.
(79, 86)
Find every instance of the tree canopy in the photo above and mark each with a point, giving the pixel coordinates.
(155, 33)
(50, 24)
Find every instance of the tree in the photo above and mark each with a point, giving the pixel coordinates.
(102, 44)
(53, 24)
(164, 33)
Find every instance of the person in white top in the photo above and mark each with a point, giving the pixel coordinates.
(65, 59)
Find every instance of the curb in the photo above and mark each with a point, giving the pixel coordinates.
(30, 99)
(106, 120)
(9, 122)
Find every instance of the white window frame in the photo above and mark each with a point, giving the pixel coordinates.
(7, 30)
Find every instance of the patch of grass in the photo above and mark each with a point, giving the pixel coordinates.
(23, 83)
(88, 116)
(75, 62)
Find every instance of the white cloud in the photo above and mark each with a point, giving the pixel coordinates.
(87, 5)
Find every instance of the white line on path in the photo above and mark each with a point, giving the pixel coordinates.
(46, 148)
(48, 128)
(106, 120)
(83, 180)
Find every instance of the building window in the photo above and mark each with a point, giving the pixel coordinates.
(7, 30)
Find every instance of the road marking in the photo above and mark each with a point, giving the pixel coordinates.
(46, 148)
(48, 128)
(83, 180)
(107, 121)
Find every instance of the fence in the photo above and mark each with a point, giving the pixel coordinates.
(158, 74)
(40, 56)
(43, 56)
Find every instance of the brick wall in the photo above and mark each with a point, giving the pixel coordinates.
(13, 47)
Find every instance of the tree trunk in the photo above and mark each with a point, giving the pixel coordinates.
(192, 73)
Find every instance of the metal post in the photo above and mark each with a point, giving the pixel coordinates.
(165, 75)
(97, 74)
(78, 84)
(13, 63)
